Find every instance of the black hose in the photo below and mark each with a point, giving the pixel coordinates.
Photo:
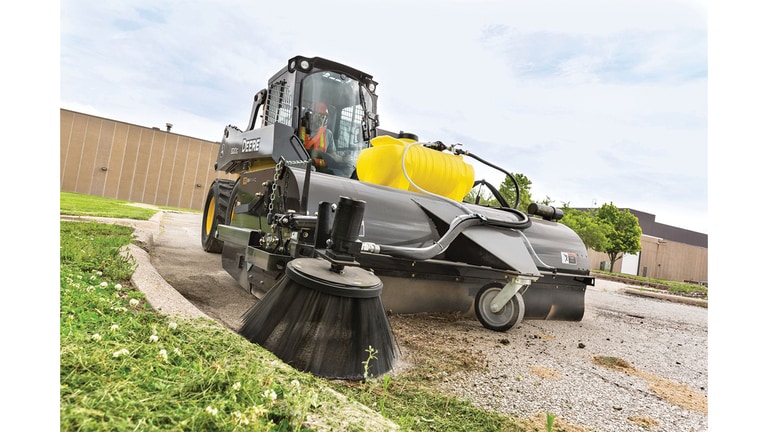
(517, 186)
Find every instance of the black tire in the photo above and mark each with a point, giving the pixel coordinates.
(509, 316)
(214, 213)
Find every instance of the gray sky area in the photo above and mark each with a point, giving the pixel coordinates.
(594, 101)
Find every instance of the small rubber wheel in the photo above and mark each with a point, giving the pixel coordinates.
(509, 316)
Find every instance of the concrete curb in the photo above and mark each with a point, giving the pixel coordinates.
(667, 297)
(160, 294)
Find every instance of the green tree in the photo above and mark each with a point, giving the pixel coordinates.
(506, 190)
(625, 236)
(593, 232)
(607, 229)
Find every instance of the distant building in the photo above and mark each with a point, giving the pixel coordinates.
(668, 252)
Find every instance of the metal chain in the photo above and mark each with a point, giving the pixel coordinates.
(273, 196)
(279, 167)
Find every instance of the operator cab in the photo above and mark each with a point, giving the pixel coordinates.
(330, 107)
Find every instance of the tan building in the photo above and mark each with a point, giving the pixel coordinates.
(668, 253)
(114, 159)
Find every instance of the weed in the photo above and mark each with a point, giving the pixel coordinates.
(550, 421)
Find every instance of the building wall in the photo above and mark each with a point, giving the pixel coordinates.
(663, 259)
(113, 159)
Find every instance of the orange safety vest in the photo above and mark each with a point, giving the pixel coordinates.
(316, 142)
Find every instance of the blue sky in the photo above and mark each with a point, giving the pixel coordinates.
(594, 101)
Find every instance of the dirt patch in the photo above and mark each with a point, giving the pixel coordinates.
(545, 373)
(643, 422)
(673, 392)
(432, 347)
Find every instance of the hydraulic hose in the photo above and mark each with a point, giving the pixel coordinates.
(459, 224)
(517, 186)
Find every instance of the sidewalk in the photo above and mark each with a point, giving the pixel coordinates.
(621, 287)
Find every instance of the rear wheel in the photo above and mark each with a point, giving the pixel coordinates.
(509, 316)
(214, 213)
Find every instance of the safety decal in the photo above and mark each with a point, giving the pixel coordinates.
(568, 257)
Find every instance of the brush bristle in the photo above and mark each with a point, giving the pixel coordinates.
(324, 334)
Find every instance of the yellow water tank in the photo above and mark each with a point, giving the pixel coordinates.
(437, 172)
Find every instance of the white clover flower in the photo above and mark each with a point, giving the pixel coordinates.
(236, 385)
(270, 394)
(172, 325)
(80, 276)
(295, 383)
(117, 354)
(164, 354)
(259, 410)
(153, 338)
(134, 302)
(104, 284)
(96, 337)
(93, 277)
(118, 287)
(177, 351)
(211, 410)
(114, 327)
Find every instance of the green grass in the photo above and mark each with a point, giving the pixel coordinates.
(86, 205)
(125, 367)
(700, 291)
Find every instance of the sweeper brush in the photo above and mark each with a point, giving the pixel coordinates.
(331, 221)
(325, 317)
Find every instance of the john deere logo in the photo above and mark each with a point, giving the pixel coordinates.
(251, 145)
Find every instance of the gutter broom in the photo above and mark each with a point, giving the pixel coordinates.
(325, 314)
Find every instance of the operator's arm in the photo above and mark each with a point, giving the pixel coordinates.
(330, 144)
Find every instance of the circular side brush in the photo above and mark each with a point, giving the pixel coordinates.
(325, 316)
(324, 322)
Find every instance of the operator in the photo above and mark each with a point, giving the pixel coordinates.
(317, 138)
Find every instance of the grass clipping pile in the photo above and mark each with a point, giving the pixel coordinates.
(673, 392)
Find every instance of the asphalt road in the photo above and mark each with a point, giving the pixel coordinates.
(659, 338)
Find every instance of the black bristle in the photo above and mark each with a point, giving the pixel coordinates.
(321, 326)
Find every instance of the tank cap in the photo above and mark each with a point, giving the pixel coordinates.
(408, 135)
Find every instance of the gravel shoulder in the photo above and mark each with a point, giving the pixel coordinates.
(659, 381)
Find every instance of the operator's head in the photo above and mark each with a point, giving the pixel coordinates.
(319, 115)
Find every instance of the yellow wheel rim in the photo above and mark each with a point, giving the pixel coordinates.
(209, 215)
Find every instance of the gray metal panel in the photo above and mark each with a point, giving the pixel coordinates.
(506, 245)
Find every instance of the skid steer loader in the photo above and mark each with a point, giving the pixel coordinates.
(381, 202)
